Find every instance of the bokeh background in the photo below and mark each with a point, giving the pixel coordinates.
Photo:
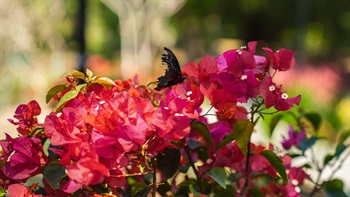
(42, 40)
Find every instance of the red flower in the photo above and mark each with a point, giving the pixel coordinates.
(294, 138)
(282, 59)
(66, 127)
(21, 190)
(244, 87)
(275, 97)
(205, 73)
(169, 119)
(191, 94)
(225, 103)
(122, 116)
(297, 176)
(24, 157)
(87, 171)
(236, 61)
(26, 116)
(116, 180)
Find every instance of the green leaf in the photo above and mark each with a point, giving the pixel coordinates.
(294, 155)
(2, 191)
(334, 188)
(89, 73)
(276, 162)
(339, 150)
(193, 191)
(221, 192)
(262, 176)
(54, 91)
(315, 119)
(242, 131)
(186, 183)
(105, 81)
(163, 188)
(227, 139)
(343, 136)
(46, 146)
(219, 175)
(306, 166)
(168, 162)
(275, 119)
(306, 143)
(203, 153)
(68, 96)
(234, 177)
(327, 159)
(203, 130)
(255, 192)
(78, 74)
(53, 173)
(137, 187)
(336, 193)
(37, 130)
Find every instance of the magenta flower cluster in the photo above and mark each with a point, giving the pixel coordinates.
(109, 131)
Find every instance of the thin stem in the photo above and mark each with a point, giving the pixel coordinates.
(316, 188)
(199, 179)
(320, 170)
(341, 162)
(314, 160)
(239, 109)
(247, 171)
(247, 164)
(274, 73)
(317, 184)
(267, 113)
(154, 190)
(207, 115)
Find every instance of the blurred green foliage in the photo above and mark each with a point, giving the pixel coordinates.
(319, 29)
(102, 31)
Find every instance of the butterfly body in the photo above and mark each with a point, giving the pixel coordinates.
(173, 73)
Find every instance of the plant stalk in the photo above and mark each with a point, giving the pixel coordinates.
(199, 179)
(154, 190)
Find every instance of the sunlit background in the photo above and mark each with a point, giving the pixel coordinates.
(42, 40)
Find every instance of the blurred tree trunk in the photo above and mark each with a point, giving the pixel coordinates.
(80, 33)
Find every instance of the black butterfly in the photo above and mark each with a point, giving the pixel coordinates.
(173, 73)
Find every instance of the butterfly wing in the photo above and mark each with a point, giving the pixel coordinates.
(171, 60)
(173, 73)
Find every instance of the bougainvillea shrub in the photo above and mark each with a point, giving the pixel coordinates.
(122, 138)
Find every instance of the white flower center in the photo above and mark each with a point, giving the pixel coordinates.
(284, 96)
(272, 88)
(244, 77)
(209, 161)
(295, 182)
